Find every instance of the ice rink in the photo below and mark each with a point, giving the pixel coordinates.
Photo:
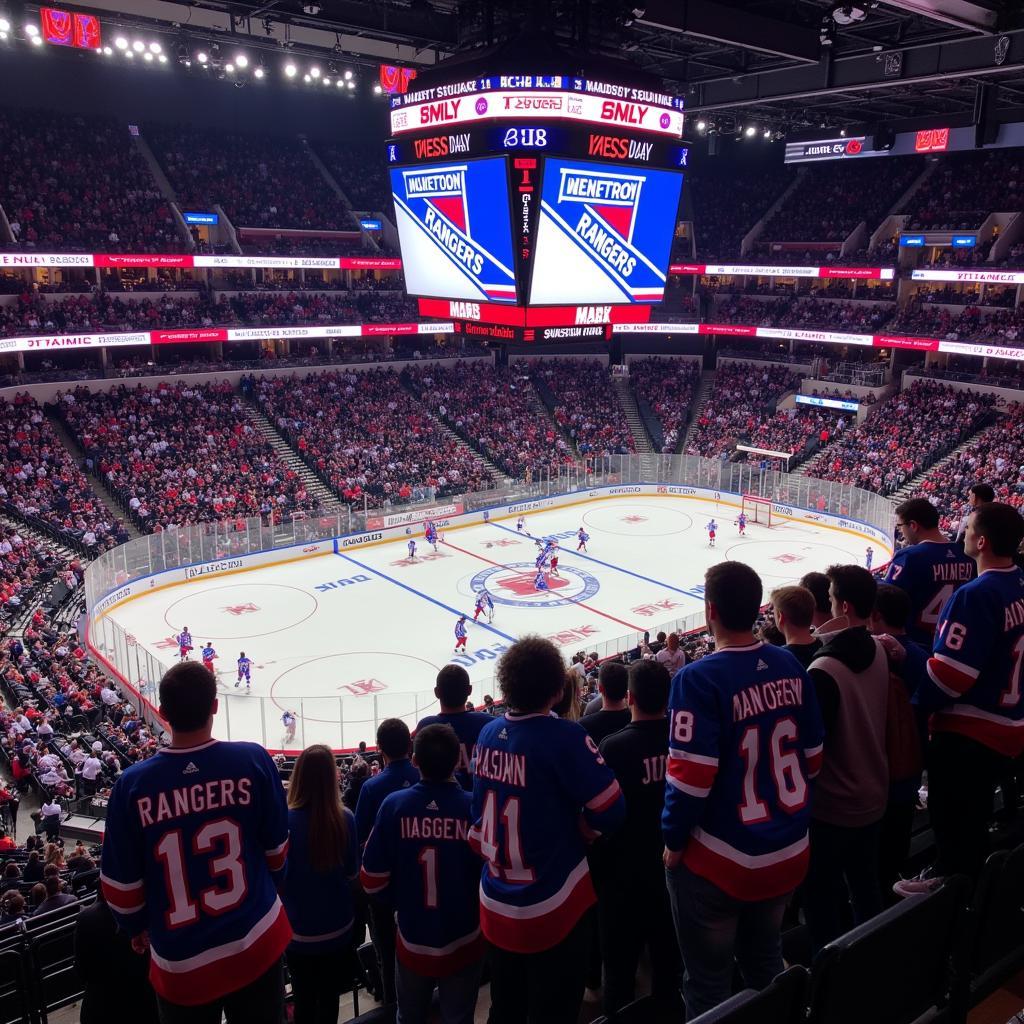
(345, 640)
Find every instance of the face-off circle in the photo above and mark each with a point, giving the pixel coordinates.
(241, 611)
(513, 585)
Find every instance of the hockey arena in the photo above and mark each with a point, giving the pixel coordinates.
(348, 638)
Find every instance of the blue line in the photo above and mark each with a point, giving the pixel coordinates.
(617, 568)
(426, 597)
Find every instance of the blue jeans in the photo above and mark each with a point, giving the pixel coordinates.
(457, 995)
(715, 932)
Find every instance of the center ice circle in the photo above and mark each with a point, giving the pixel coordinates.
(513, 585)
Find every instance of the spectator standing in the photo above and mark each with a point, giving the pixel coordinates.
(452, 689)
(612, 683)
(672, 656)
(737, 803)
(49, 819)
(117, 990)
(851, 679)
(195, 847)
(818, 584)
(420, 853)
(929, 569)
(395, 745)
(979, 494)
(632, 909)
(323, 860)
(794, 609)
(974, 688)
(535, 776)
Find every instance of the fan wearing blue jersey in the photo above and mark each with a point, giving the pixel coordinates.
(745, 739)
(930, 568)
(975, 676)
(395, 745)
(418, 854)
(539, 788)
(318, 894)
(193, 855)
(452, 689)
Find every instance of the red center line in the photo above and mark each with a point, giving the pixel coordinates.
(502, 565)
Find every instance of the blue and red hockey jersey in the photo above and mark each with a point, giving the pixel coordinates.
(539, 786)
(195, 846)
(976, 670)
(745, 739)
(418, 855)
(929, 572)
(467, 726)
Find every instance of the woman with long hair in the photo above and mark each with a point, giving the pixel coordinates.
(323, 865)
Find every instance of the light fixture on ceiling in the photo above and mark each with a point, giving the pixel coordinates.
(241, 61)
(290, 70)
(848, 14)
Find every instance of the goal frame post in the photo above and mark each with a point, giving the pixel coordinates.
(757, 509)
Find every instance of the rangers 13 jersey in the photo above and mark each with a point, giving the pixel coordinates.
(745, 739)
(929, 572)
(976, 668)
(195, 845)
(539, 785)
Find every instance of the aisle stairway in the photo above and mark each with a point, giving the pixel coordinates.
(499, 478)
(627, 400)
(910, 488)
(98, 484)
(287, 454)
(700, 401)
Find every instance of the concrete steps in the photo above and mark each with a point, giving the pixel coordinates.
(707, 383)
(909, 489)
(99, 485)
(627, 400)
(287, 454)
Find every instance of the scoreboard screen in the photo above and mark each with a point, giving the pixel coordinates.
(604, 234)
(455, 229)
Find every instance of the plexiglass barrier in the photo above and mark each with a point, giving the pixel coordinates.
(342, 722)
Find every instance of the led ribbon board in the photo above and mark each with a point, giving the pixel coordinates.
(455, 230)
(605, 233)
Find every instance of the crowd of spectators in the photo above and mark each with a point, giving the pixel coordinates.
(743, 397)
(39, 479)
(903, 437)
(361, 173)
(73, 183)
(366, 436)
(966, 296)
(582, 399)
(727, 205)
(1003, 327)
(100, 313)
(835, 196)
(496, 410)
(27, 563)
(799, 428)
(259, 180)
(995, 456)
(965, 188)
(182, 453)
(665, 388)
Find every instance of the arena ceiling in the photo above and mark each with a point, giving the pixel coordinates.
(789, 64)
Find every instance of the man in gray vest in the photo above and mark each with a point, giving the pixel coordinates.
(851, 676)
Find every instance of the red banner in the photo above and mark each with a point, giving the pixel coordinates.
(903, 341)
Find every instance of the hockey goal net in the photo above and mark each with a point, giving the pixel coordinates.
(757, 509)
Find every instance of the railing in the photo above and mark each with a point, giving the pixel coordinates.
(342, 722)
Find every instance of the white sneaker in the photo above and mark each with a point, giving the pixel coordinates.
(923, 885)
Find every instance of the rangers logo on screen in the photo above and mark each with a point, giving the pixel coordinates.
(605, 233)
(460, 213)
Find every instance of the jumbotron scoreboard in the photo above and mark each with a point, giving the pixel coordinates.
(536, 207)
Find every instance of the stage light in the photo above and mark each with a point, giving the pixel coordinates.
(751, 130)
(259, 72)
(36, 40)
(290, 70)
(229, 68)
(121, 43)
(155, 48)
(31, 30)
(314, 71)
(351, 85)
(148, 57)
(107, 51)
(307, 79)
(202, 57)
(377, 89)
(5, 25)
(348, 75)
(162, 57)
(326, 81)
(138, 45)
(842, 132)
(340, 84)
(241, 61)
(767, 133)
(701, 125)
(129, 54)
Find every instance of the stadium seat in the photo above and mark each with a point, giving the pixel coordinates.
(992, 941)
(15, 1004)
(51, 960)
(868, 974)
(782, 1002)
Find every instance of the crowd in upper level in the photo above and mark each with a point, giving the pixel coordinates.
(667, 388)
